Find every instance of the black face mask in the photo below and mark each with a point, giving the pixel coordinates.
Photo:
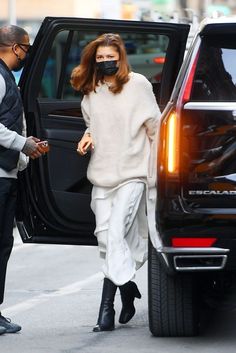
(107, 68)
(21, 63)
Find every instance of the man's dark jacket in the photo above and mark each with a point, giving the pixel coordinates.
(11, 116)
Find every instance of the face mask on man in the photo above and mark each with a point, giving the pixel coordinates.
(107, 68)
(21, 62)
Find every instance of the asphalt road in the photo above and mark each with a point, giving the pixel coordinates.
(54, 293)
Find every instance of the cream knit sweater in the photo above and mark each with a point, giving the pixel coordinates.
(123, 127)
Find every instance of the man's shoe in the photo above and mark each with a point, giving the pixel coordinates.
(2, 330)
(9, 326)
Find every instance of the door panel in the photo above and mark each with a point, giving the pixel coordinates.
(57, 181)
(57, 192)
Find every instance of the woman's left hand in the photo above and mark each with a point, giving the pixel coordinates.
(85, 144)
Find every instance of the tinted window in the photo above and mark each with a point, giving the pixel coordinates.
(215, 76)
(146, 55)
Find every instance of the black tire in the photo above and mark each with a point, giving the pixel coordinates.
(172, 300)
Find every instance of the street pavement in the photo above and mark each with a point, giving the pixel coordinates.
(54, 292)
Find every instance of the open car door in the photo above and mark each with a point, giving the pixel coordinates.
(54, 193)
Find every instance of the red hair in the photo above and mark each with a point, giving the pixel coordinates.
(85, 77)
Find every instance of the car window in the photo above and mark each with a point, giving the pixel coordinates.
(146, 55)
(215, 76)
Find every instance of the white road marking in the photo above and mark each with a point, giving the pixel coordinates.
(22, 247)
(42, 298)
(27, 246)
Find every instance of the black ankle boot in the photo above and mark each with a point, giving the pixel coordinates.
(106, 317)
(128, 292)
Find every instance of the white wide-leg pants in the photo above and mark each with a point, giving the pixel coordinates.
(121, 229)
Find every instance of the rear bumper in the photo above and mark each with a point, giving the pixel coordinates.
(194, 259)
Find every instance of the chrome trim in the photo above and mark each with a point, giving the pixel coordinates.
(216, 211)
(165, 259)
(202, 268)
(211, 250)
(23, 232)
(227, 106)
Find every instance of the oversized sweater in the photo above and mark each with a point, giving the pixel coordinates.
(123, 127)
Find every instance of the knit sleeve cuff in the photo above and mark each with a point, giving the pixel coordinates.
(87, 131)
(18, 143)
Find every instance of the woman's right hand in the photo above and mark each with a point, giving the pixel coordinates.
(85, 143)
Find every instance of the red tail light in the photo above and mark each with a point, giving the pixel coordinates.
(159, 60)
(186, 90)
(192, 242)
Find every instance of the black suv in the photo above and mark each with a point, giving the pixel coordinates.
(196, 211)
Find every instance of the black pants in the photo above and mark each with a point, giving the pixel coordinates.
(8, 193)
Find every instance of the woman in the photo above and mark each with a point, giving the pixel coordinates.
(121, 115)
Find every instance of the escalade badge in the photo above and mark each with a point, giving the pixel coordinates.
(212, 192)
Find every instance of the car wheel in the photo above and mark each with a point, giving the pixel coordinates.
(172, 300)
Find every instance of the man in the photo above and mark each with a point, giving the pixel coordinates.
(14, 45)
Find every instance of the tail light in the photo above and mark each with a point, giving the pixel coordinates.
(170, 129)
(159, 60)
(185, 92)
(172, 144)
(192, 242)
